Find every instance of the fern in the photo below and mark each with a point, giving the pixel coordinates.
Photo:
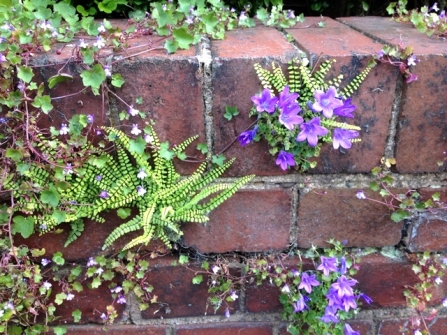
(162, 197)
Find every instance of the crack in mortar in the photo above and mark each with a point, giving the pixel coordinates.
(205, 63)
(390, 146)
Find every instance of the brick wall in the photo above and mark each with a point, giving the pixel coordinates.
(186, 93)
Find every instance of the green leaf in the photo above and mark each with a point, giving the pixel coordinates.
(123, 212)
(117, 80)
(60, 297)
(38, 252)
(59, 78)
(210, 21)
(165, 152)
(163, 18)
(43, 102)
(183, 259)
(58, 258)
(25, 73)
(230, 111)
(183, 37)
(374, 186)
(22, 225)
(96, 282)
(77, 314)
(77, 286)
(218, 160)
(197, 279)
(138, 145)
(99, 162)
(58, 216)
(171, 46)
(400, 215)
(202, 147)
(50, 196)
(436, 196)
(94, 78)
(89, 55)
(15, 155)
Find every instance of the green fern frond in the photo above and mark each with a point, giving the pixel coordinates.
(332, 124)
(77, 227)
(355, 83)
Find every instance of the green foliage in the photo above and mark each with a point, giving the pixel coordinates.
(303, 80)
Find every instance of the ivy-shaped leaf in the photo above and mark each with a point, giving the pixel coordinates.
(22, 225)
(165, 152)
(183, 37)
(50, 196)
(25, 73)
(93, 78)
(59, 78)
(117, 80)
(43, 102)
(77, 314)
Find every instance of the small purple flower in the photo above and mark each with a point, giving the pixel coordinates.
(330, 315)
(327, 265)
(121, 299)
(233, 295)
(141, 191)
(360, 195)
(9, 305)
(82, 44)
(295, 273)
(247, 136)
(45, 262)
(108, 70)
(47, 285)
(346, 110)
(411, 61)
(333, 299)
(381, 54)
(21, 86)
(349, 302)
(367, 299)
(310, 131)
(287, 99)
(215, 269)
(290, 14)
(343, 268)
(342, 137)
(103, 194)
(265, 102)
(98, 177)
(68, 169)
(227, 313)
(300, 305)
(434, 7)
(444, 302)
(103, 316)
(411, 77)
(135, 130)
(90, 118)
(285, 160)
(99, 42)
(307, 282)
(349, 331)
(64, 129)
(132, 111)
(326, 101)
(189, 20)
(289, 116)
(343, 286)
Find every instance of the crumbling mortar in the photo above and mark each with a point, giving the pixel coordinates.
(390, 144)
(293, 235)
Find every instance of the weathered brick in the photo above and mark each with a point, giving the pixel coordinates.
(385, 279)
(249, 221)
(373, 99)
(245, 328)
(234, 82)
(338, 214)
(177, 295)
(428, 231)
(363, 327)
(116, 330)
(422, 129)
(89, 244)
(396, 326)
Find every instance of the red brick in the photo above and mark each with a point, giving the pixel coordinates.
(385, 279)
(170, 86)
(363, 327)
(177, 295)
(234, 83)
(395, 326)
(116, 330)
(428, 232)
(89, 244)
(340, 215)
(245, 328)
(422, 121)
(249, 221)
(373, 99)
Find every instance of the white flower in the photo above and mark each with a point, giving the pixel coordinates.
(285, 289)
(108, 70)
(444, 302)
(82, 44)
(411, 61)
(46, 26)
(360, 195)
(132, 111)
(64, 129)
(68, 169)
(141, 190)
(148, 138)
(99, 42)
(45, 262)
(47, 285)
(417, 332)
(135, 131)
(141, 174)
(1, 312)
(117, 289)
(215, 269)
(438, 280)
(103, 316)
(70, 296)
(9, 305)
(101, 28)
(91, 262)
(99, 271)
(243, 17)
(121, 299)
(233, 295)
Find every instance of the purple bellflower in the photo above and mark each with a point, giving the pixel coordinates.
(349, 302)
(342, 265)
(330, 315)
(343, 286)
(327, 265)
(289, 116)
(346, 110)
(349, 331)
(265, 102)
(307, 282)
(326, 101)
(285, 160)
(342, 137)
(287, 99)
(310, 131)
(333, 299)
(247, 136)
(300, 305)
